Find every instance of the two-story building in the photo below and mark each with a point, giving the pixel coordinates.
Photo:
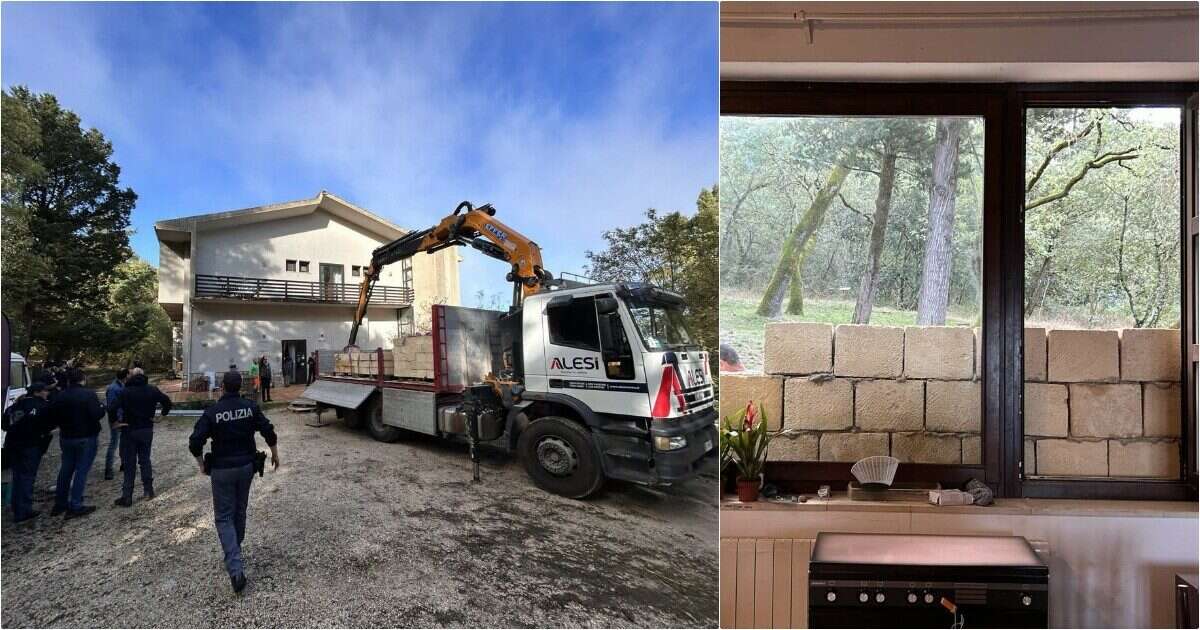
(282, 280)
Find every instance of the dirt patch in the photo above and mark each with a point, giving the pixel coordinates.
(354, 532)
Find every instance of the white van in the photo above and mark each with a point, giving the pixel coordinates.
(18, 375)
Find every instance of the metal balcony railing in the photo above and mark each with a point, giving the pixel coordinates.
(272, 290)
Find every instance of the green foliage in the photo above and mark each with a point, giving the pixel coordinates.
(674, 251)
(139, 328)
(1102, 218)
(744, 441)
(69, 224)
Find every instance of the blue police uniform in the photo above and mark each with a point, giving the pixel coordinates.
(231, 424)
(27, 427)
(135, 404)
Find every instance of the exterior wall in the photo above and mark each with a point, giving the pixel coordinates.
(1102, 403)
(172, 272)
(235, 333)
(259, 250)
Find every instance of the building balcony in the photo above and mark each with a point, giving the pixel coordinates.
(234, 288)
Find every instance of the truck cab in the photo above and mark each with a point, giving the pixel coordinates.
(618, 359)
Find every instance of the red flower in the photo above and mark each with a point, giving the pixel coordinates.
(751, 415)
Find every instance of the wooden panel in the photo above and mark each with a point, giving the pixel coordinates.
(764, 565)
(744, 614)
(781, 586)
(801, 550)
(728, 581)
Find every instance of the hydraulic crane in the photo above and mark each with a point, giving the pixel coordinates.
(468, 225)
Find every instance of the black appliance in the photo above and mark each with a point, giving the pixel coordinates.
(1186, 613)
(900, 580)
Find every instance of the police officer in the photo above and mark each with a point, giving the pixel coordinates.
(77, 413)
(231, 424)
(135, 405)
(114, 433)
(27, 427)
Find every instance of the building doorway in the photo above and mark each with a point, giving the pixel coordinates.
(295, 361)
(332, 277)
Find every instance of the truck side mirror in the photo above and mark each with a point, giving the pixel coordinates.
(606, 305)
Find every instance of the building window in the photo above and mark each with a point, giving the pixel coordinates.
(574, 324)
(290, 265)
(303, 266)
(355, 270)
(1103, 293)
(852, 248)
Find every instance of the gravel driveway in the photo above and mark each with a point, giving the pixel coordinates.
(354, 532)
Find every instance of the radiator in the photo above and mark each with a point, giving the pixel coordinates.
(764, 582)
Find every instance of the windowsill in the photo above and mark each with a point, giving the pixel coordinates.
(840, 502)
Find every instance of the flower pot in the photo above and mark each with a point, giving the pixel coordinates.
(747, 490)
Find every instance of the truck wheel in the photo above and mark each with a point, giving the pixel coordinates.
(561, 457)
(373, 413)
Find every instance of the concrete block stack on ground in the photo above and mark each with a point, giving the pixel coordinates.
(1109, 405)
(1096, 402)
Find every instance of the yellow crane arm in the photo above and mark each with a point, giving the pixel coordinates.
(468, 225)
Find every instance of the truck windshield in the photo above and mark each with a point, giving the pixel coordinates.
(661, 326)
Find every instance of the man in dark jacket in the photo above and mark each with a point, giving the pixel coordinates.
(231, 424)
(114, 433)
(77, 413)
(136, 404)
(264, 377)
(27, 427)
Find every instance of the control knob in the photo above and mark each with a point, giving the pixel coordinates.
(928, 598)
(864, 597)
(879, 597)
(831, 596)
(1026, 600)
(912, 597)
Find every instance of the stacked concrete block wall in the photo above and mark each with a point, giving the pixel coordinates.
(1097, 403)
(1102, 403)
(413, 356)
(848, 392)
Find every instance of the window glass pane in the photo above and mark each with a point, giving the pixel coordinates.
(574, 324)
(303, 266)
(16, 374)
(614, 345)
(290, 265)
(850, 283)
(1102, 292)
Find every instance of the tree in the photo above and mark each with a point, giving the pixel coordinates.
(139, 328)
(791, 260)
(674, 251)
(62, 199)
(934, 297)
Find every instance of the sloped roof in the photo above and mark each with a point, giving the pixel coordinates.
(180, 229)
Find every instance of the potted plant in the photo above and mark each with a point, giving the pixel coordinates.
(744, 442)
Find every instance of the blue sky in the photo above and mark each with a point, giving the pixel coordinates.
(571, 119)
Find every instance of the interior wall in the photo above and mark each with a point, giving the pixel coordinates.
(1158, 48)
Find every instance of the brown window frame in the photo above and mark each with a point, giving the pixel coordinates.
(1002, 106)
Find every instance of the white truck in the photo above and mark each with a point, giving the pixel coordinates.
(582, 383)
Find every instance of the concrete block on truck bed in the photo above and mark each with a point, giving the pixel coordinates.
(413, 356)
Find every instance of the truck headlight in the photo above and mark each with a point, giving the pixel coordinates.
(669, 443)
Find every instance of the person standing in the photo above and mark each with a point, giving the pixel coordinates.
(264, 376)
(27, 426)
(287, 370)
(77, 413)
(114, 433)
(312, 367)
(231, 464)
(255, 390)
(136, 405)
